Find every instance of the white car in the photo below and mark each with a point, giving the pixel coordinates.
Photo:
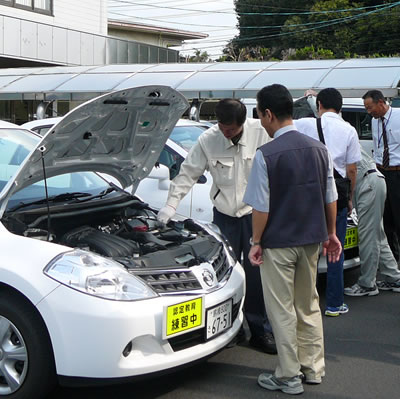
(197, 203)
(91, 286)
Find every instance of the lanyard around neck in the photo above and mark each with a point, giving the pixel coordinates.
(384, 125)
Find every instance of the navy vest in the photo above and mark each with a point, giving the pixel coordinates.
(297, 170)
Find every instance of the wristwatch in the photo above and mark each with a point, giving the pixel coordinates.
(252, 243)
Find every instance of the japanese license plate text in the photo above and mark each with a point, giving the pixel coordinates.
(219, 319)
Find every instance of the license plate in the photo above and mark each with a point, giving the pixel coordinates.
(219, 319)
(183, 317)
(351, 239)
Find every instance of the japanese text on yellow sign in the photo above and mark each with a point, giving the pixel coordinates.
(351, 239)
(184, 316)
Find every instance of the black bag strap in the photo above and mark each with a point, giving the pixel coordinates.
(336, 174)
(320, 132)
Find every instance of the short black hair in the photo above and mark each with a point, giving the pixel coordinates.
(376, 95)
(330, 98)
(230, 110)
(277, 99)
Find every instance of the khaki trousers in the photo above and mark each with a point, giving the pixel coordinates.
(289, 285)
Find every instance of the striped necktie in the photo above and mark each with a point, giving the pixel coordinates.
(385, 160)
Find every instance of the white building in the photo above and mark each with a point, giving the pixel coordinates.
(76, 32)
(40, 33)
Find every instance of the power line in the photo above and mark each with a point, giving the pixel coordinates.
(346, 19)
(259, 13)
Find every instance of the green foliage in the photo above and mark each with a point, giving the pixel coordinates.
(309, 53)
(317, 29)
(199, 57)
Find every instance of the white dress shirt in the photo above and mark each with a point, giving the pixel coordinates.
(340, 137)
(229, 165)
(257, 192)
(392, 124)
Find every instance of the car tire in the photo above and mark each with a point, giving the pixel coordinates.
(27, 368)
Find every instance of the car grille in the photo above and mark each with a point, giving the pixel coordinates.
(169, 281)
(197, 337)
(220, 264)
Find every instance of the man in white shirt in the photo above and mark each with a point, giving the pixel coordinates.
(342, 142)
(386, 137)
(227, 150)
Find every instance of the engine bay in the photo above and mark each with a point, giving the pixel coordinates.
(130, 235)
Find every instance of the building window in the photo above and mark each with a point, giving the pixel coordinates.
(41, 6)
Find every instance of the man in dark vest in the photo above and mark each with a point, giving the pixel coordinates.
(292, 192)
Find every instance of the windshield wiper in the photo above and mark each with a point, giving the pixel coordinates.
(54, 198)
(113, 187)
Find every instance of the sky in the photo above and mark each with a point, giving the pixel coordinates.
(217, 18)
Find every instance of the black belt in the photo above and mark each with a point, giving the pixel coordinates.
(380, 167)
(370, 171)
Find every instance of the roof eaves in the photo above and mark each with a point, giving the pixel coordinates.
(129, 26)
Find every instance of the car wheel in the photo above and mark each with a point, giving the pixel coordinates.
(26, 358)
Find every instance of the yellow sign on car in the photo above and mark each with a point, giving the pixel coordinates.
(184, 316)
(351, 239)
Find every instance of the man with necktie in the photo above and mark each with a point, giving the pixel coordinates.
(386, 137)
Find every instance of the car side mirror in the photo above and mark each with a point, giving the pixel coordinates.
(202, 179)
(160, 173)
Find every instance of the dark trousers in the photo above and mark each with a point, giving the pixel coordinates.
(391, 215)
(238, 232)
(334, 275)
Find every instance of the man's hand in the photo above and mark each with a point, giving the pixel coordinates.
(349, 207)
(332, 248)
(255, 255)
(310, 92)
(165, 214)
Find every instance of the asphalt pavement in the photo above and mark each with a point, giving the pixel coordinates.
(362, 353)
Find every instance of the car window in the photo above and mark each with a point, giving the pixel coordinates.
(186, 136)
(82, 182)
(171, 160)
(42, 130)
(360, 120)
(15, 146)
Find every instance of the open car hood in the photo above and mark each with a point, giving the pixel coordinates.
(120, 134)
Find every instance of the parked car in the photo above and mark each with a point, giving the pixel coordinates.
(185, 133)
(91, 285)
(197, 203)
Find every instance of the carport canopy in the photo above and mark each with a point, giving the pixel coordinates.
(352, 77)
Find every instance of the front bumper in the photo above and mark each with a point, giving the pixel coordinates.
(89, 334)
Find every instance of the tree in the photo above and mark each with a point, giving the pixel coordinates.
(318, 28)
(199, 57)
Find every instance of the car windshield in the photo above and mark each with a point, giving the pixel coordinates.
(186, 136)
(15, 146)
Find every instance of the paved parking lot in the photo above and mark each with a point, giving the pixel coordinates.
(362, 361)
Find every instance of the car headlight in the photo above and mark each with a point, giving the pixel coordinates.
(94, 275)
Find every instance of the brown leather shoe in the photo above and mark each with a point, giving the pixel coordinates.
(264, 342)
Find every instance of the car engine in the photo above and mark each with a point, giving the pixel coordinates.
(131, 235)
